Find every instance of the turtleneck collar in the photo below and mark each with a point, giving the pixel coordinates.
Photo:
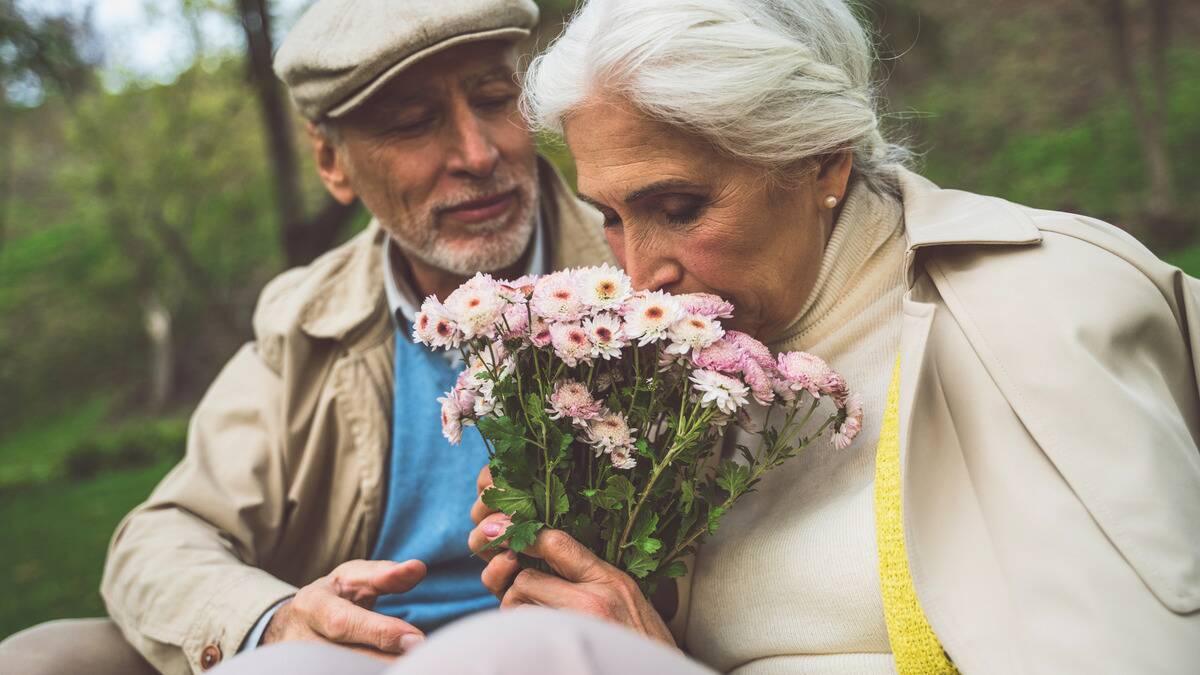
(868, 220)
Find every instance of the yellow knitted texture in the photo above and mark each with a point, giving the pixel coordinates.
(915, 647)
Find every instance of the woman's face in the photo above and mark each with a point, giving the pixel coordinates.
(682, 217)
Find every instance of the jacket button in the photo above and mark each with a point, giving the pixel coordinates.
(210, 657)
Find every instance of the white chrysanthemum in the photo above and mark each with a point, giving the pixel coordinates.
(609, 431)
(606, 334)
(604, 287)
(622, 458)
(648, 316)
(571, 343)
(692, 333)
(476, 306)
(556, 297)
(435, 327)
(572, 399)
(725, 392)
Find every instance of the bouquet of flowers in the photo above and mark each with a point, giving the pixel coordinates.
(602, 407)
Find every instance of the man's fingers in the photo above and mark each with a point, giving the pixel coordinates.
(499, 573)
(484, 481)
(568, 558)
(361, 581)
(345, 622)
(488, 529)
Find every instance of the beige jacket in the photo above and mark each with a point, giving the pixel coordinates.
(1050, 425)
(286, 457)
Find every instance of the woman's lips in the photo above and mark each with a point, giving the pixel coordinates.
(480, 210)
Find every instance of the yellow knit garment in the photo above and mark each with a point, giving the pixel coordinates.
(914, 646)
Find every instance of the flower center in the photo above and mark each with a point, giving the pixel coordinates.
(654, 313)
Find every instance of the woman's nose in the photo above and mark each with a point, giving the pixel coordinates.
(651, 267)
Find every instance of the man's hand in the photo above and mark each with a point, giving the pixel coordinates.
(337, 608)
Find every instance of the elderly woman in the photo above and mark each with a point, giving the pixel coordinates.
(1042, 367)
(1025, 494)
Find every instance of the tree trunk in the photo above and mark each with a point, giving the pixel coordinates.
(1149, 116)
(302, 239)
(162, 370)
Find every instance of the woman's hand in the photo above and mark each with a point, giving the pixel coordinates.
(584, 583)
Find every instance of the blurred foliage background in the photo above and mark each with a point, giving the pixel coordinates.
(153, 177)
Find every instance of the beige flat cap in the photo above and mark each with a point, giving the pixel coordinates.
(342, 51)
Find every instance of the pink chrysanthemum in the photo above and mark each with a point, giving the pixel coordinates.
(723, 355)
(844, 433)
(572, 399)
(539, 332)
(476, 306)
(648, 316)
(435, 327)
(800, 371)
(726, 393)
(451, 420)
(693, 332)
(752, 348)
(571, 343)
(517, 290)
(556, 298)
(606, 334)
(706, 304)
(609, 432)
(604, 287)
(760, 381)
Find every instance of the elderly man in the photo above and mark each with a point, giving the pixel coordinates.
(315, 461)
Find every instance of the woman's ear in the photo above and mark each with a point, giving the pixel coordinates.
(833, 175)
(330, 159)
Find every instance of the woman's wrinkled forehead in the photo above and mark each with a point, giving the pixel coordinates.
(617, 148)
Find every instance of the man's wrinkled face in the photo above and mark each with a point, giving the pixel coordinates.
(443, 159)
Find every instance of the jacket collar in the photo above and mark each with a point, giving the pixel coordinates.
(351, 297)
(937, 217)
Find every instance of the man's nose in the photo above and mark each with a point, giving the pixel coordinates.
(651, 267)
(473, 153)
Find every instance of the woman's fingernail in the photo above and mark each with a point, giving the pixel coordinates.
(410, 641)
(493, 529)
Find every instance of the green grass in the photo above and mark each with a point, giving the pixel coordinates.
(1187, 259)
(55, 538)
(36, 452)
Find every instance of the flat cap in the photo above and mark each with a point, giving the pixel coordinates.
(342, 51)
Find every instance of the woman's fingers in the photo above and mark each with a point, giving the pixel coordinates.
(488, 529)
(500, 572)
(570, 559)
(533, 587)
(479, 510)
(484, 481)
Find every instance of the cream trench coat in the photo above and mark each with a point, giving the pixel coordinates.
(287, 455)
(1050, 420)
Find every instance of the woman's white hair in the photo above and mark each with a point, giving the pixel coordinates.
(773, 82)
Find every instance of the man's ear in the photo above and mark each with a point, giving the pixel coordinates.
(833, 174)
(331, 164)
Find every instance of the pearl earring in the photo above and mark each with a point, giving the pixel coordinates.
(831, 202)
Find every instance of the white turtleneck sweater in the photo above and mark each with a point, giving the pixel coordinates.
(790, 581)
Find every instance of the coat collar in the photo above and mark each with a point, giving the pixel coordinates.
(937, 217)
(350, 298)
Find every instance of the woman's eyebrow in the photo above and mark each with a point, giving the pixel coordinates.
(656, 187)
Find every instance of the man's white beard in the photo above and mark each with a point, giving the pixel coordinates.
(493, 247)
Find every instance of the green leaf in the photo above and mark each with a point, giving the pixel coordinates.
(676, 569)
(649, 545)
(505, 434)
(714, 518)
(645, 526)
(510, 501)
(639, 564)
(522, 535)
(687, 495)
(643, 448)
(619, 490)
(733, 477)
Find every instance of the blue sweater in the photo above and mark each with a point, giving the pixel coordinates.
(431, 486)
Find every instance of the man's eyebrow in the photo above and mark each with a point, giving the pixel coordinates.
(588, 200)
(500, 72)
